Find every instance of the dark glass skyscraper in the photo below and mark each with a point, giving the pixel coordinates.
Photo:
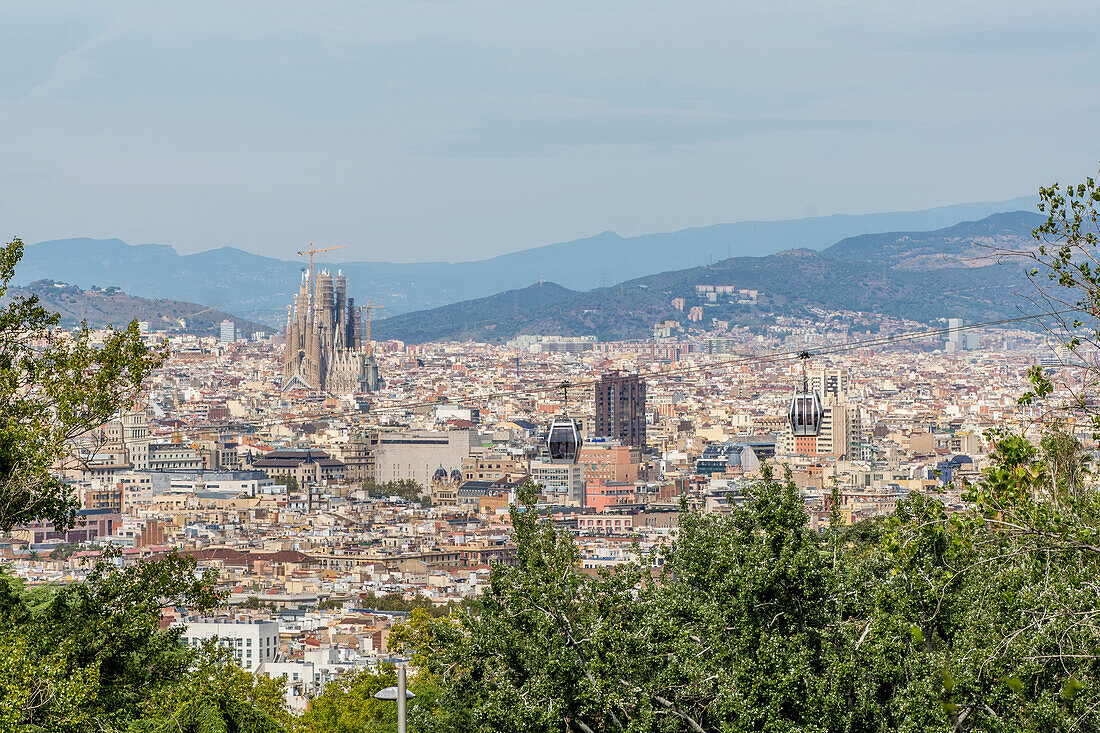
(620, 408)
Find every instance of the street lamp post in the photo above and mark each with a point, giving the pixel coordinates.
(401, 695)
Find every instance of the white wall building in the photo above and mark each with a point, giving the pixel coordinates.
(251, 643)
(227, 333)
(306, 677)
(563, 480)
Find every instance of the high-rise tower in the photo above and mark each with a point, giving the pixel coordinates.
(620, 408)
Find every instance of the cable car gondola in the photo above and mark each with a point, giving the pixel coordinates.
(805, 410)
(563, 440)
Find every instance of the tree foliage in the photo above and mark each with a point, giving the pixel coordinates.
(287, 480)
(254, 603)
(55, 387)
(982, 620)
(93, 656)
(348, 705)
(216, 695)
(407, 489)
(1064, 267)
(397, 602)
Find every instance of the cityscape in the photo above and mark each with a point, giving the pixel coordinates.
(549, 368)
(299, 497)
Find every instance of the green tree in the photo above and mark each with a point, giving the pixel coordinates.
(290, 482)
(254, 603)
(406, 489)
(55, 387)
(63, 551)
(1000, 598)
(1063, 268)
(751, 625)
(102, 634)
(92, 656)
(533, 652)
(216, 695)
(928, 621)
(348, 705)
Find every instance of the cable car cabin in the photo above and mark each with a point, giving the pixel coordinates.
(805, 414)
(563, 442)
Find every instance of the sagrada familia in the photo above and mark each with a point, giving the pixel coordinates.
(325, 350)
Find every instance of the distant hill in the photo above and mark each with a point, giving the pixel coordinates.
(260, 288)
(475, 320)
(111, 306)
(917, 275)
(966, 243)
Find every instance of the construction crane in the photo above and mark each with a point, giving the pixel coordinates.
(312, 251)
(368, 308)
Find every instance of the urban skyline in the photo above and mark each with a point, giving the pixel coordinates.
(355, 448)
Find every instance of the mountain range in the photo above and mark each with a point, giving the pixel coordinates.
(920, 275)
(259, 288)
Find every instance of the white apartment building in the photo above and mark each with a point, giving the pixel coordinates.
(565, 481)
(252, 643)
(306, 677)
(227, 332)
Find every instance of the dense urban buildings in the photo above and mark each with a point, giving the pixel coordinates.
(316, 507)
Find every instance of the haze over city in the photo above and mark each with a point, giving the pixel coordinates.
(416, 131)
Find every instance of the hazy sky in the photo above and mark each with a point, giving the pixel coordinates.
(456, 130)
